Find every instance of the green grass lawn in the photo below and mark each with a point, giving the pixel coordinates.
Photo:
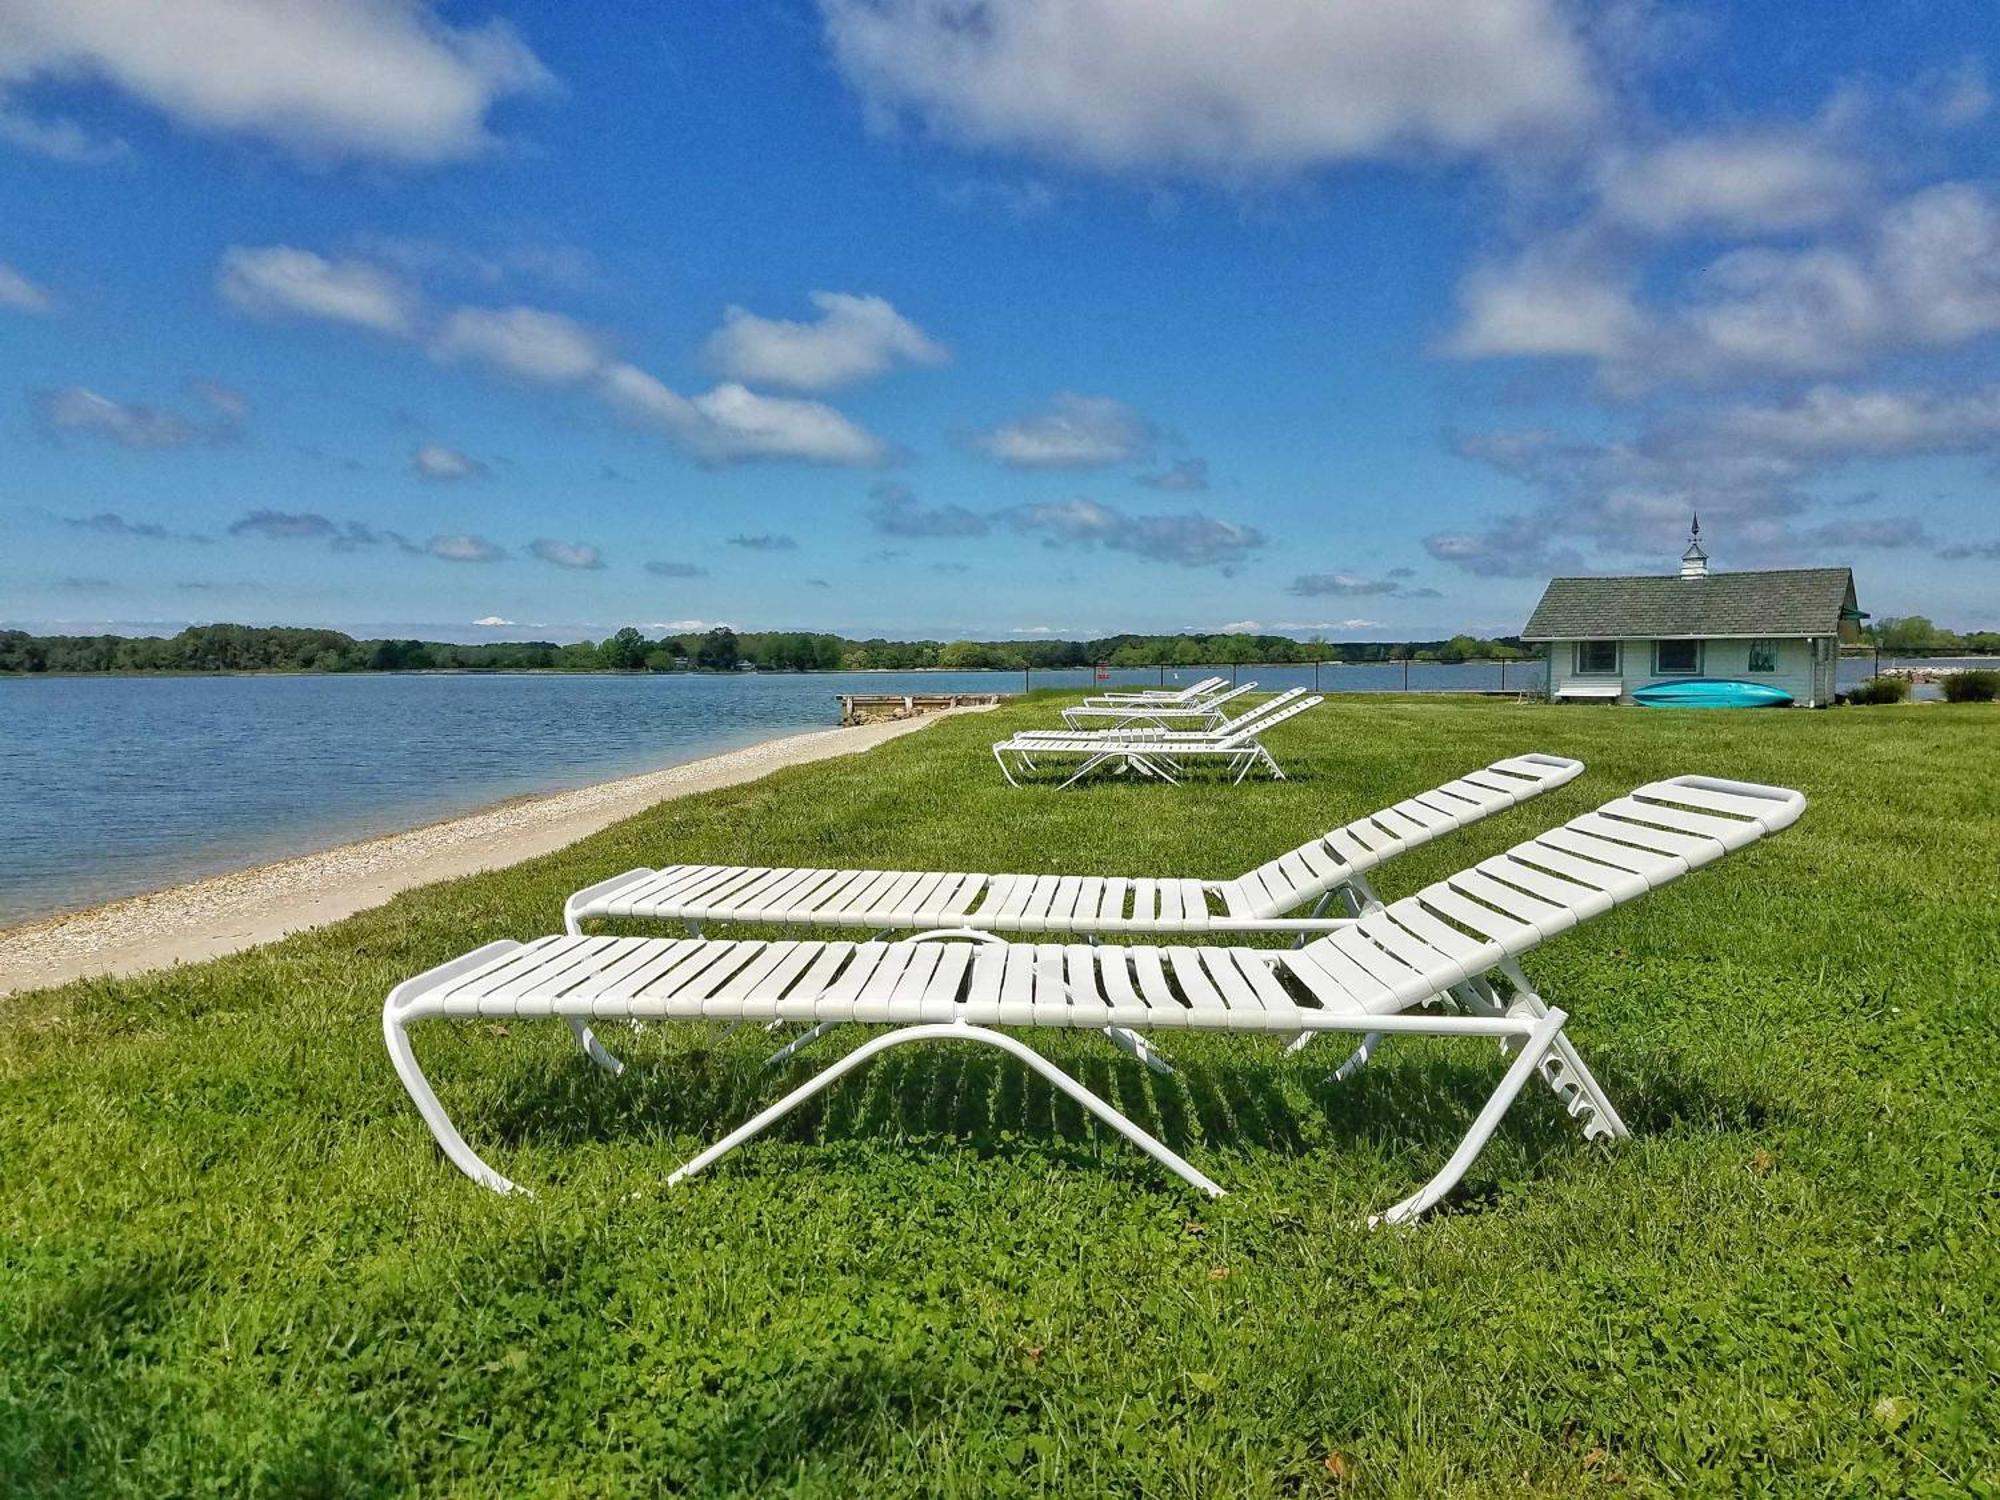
(232, 1260)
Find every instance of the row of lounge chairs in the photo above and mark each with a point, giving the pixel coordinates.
(1368, 971)
(1158, 735)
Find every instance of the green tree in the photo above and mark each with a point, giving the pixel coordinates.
(718, 651)
(1914, 633)
(625, 651)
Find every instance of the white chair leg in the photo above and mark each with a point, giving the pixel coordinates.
(1565, 1072)
(592, 1047)
(1526, 1062)
(1084, 770)
(1133, 1043)
(396, 1033)
(952, 1032)
(585, 1037)
(1356, 1060)
(812, 1034)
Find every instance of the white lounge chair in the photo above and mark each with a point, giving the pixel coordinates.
(1446, 945)
(1205, 711)
(1159, 753)
(1334, 867)
(1202, 689)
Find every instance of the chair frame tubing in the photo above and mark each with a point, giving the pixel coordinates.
(1533, 1031)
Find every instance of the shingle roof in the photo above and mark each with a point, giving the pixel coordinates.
(1789, 602)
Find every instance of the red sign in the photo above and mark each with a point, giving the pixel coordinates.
(1104, 671)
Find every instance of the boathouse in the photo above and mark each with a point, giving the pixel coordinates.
(1608, 637)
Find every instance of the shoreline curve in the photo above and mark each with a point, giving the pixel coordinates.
(240, 909)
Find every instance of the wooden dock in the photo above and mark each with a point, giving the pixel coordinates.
(872, 708)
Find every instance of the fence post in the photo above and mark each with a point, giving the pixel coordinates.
(1232, 674)
(1315, 674)
(1503, 674)
(1024, 678)
(1406, 674)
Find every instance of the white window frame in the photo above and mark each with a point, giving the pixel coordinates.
(1617, 659)
(1769, 644)
(1664, 671)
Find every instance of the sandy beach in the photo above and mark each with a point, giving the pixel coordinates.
(225, 913)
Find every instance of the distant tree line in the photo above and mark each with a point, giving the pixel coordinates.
(248, 648)
(1914, 635)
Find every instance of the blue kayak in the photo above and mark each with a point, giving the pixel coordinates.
(1710, 692)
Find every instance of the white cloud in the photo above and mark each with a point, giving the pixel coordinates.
(20, 294)
(684, 627)
(1828, 424)
(1540, 307)
(443, 464)
(1184, 475)
(1928, 276)
(1020, 201)
(59, 139)
(78, 411)
(1955, 97)
(282, 281)
(733, 424)
(1071, 432)
(1512, 547)
(491, 622)
(310, 526)
(855, 338)
(381, 79)
(466, 548)
(1328, 625)
(1193, 540)
(228, 403)
(1351, 586)
(725, 425)
(578, 555)
(1747, 468)
(1227, 88)
(524, 341)
(1752, 183)
(1925, 274)
(110, 523)
(568, 267)
(897, 512)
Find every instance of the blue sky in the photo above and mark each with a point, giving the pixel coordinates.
(915, 317)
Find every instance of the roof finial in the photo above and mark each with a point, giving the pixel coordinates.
(1694, 561)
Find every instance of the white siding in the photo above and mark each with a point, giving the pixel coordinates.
(1809, 681)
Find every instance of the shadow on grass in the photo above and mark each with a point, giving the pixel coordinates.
(1411, 1098)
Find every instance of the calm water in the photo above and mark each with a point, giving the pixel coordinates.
(114, 785)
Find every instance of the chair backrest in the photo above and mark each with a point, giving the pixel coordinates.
(1466, 924)
(1320, 865)
(1272, 711)
(1163, 699)
(1209, 705)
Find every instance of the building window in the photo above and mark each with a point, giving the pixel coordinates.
(1763, 656)
(1597, 658)
(1676, 658)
